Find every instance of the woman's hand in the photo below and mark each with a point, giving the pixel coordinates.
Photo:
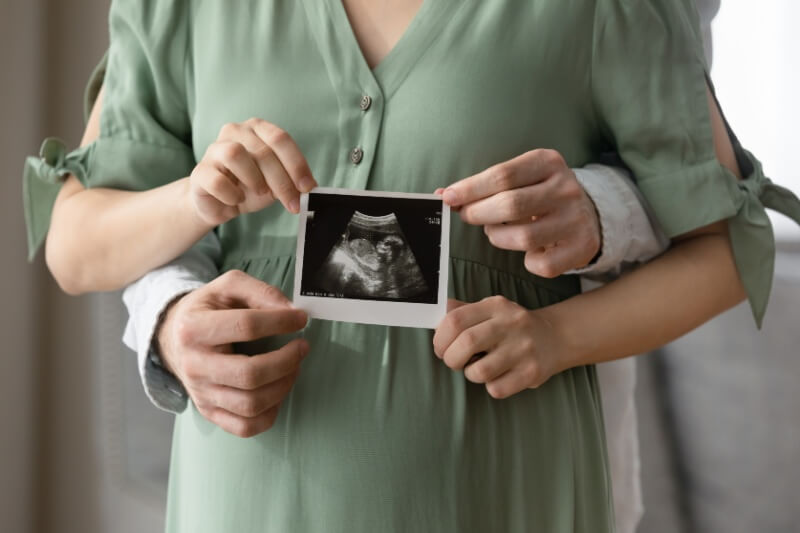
(534, 204)
(250, 165)
(521, 347)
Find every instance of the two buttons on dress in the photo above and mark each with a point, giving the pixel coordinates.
(357, 154)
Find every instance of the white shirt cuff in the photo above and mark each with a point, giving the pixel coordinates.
(147, 299)
(630, 234)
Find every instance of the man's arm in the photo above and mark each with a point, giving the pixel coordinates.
(148, 299)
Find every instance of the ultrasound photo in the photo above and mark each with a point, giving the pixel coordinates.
(373, 248)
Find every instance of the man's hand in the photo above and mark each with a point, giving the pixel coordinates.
(239, 393)
(532, 203)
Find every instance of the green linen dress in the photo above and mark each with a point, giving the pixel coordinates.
(377, 434)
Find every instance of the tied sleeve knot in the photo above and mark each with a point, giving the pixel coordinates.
(752, 239)
(42, 180)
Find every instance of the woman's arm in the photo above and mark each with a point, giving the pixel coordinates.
(688, 285)
(103, 239)
(672, 295)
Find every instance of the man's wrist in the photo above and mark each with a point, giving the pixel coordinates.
(158, 346)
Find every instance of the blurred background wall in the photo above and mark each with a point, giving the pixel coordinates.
(82, 451)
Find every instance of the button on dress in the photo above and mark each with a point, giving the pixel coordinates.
(378, 435)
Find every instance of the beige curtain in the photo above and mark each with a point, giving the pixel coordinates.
(59, 395)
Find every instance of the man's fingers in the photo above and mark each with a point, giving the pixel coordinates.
(543, 231)
(238, 425)
(553, 261)
(226, 326)
(452, 304)
(235, 289)
(526, 169)
(508, 206)
(249, 372)
(250, 404)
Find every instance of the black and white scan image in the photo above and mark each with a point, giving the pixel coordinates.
(367, 246)
(372, 259)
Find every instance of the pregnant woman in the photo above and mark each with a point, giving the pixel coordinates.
(376, 433)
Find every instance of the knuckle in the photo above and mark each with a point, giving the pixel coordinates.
(571, 189)
(527, 238)
(245, 327)
(552, 157)
(253, 122)
(511, 205)
(249, 406)
(270, 293)
(184, 332)
(231, 150)
(502, 177)
(469, 339)
(245, 376)
(496, 301)
(264, 152)
(233, 277)
(530, 373)
(496, 391)
(454, 321)
(277, 136)
(228, 130)
(547, 269)
(217, 182)
(190, 369)
(481, 373)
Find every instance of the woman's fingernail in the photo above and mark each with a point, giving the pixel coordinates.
(449, 196)
(307, 183)
(294, 205)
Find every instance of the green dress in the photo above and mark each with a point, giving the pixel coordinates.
(377, 434)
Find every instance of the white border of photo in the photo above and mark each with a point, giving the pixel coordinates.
(379, 312)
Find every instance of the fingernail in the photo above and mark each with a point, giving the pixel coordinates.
(307, 183)
(450, 197)
(294, 205)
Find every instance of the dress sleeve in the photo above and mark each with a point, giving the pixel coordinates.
(145, 130)
(649, 83)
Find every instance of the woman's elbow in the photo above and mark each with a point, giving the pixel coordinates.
(65, 270)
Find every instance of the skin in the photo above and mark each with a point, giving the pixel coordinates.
(632, 315)
(242, 394)
(246, 169)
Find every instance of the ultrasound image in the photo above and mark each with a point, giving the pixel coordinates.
(372, 248)
(372, 259)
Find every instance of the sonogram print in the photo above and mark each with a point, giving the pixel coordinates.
(372, 259)
(373, 248)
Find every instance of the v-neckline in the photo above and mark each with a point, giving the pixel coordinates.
(420, 33)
